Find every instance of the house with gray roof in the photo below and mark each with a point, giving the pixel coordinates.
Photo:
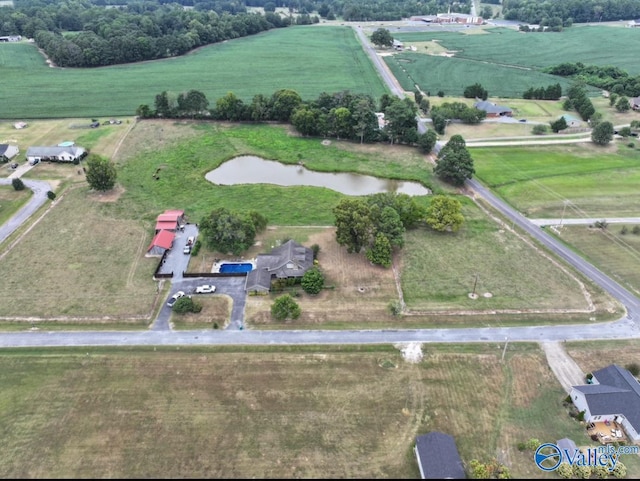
(493, 110)
(56, 153)
(8, 152)
(438, 457)
(614, 396)
(288, 260)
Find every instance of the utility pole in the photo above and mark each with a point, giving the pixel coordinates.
(563, 209)
(475, 282)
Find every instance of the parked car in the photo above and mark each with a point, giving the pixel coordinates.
(34, 161)
(205, 289)
(94, 125)
(190, 240)
(522, 120)
(187, 250)
(14, 166)
(174, 298)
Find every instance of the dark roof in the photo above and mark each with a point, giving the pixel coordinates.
(490, 107)
(438, 457)
(616, 392)
(3, 148)
(288, 260)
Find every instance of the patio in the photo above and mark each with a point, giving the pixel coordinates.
(607, 431)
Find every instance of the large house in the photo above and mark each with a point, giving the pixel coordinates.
(288, 260)
(438, 457)
(8, 152)
(614, 396)
(493, 110)
(56, 153)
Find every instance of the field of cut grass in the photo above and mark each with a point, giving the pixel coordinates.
(596, 182)
(439, 271)
(11, 200)
(614, 253)
(307, 412)
(591, 45)
(306, 59)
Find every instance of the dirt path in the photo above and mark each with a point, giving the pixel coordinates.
(563, 366)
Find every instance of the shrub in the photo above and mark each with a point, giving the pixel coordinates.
(589, 376)
(532, 444)
(215, 325)
(196, 248)
(521, 446)
(636, 229)
(312, 281)
(624, 230)
(440, 93)
(186, 304)
(284, 307)
(620, 471)
(395, 308)
(17, 184)
(51, 195)
(601, 224)
(565, 471)
(315, 248)
(539, 129)
(581, 472)
(580, 416)
(631, 145)
(633, 368)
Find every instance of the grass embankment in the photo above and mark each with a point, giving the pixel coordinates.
(308, 60)
(595, 182)
(271, 412)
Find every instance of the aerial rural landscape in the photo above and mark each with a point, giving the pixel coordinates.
(309, 239)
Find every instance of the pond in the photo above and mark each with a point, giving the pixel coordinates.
(249, 169)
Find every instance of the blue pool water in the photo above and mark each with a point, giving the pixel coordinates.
(234, 268)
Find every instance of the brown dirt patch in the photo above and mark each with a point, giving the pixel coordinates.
(110, 196)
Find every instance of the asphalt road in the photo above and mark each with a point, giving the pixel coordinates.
(40, 189)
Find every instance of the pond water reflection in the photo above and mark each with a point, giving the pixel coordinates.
(249, 169)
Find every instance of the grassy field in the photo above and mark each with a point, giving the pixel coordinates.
(596, 182)
(11, 200)
(591, 45)
(302, 412)
(611, 251)
(216, 311)
(306, 59)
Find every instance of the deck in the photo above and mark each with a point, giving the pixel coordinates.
(610, 432)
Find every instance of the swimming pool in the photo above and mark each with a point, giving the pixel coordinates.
(236, 267)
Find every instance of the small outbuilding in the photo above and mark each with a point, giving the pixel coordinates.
(438, 457)
(162, 242)
(8, 152)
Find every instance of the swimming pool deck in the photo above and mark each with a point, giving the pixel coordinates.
(217, 264)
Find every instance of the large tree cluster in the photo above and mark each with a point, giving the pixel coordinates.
(454, 163)
(226, 231)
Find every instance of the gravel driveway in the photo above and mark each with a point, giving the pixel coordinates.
(563, 366)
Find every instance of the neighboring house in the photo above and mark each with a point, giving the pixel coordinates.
(571, 121)
(614, 396)
(397, 44)
(170, 220)
(162, 242)
(19, 125)
(492, 109)
(8, 152)
(567, 448)
(11, 38)
(288, 260)
(635, 103)
(438, 457)
(56, 153)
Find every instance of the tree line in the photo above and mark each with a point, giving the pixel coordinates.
(613, 79)
(567, 12)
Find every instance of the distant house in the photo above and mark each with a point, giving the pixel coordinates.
(170, 220)
(571, 121)
(438, 457)
(493, 110)
(8, 152)
(56, 153)
(11, 38)
(634, 23)
(19, 125)
(397, 44)
(162, 242)
(614, 396)
(288, 260)
(635, 103)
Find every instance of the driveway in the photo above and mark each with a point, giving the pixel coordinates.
(40, 189)
(563, 366)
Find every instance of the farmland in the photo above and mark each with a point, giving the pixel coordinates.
(272, 412)
(308, 60)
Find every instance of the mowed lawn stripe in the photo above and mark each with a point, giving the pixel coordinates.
(306, 59)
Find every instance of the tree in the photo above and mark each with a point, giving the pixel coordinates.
(101, 173)
(380, 251)
(227, 231)
(427, 141)
(476, 91)
(444, 213)
(229, 107)
(353, 224)
(400, 116)
(283, 103)
(186, 304)
(193, 103)
(312, 281)
(387, 221)
(622, 105)
(539, 129)
(454, 163)
(285, 307)
(603, 133)
(382, 38)
(17, 184)
(559, 124)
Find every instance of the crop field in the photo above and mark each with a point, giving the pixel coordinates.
(610, 250)
(306, 412)
(593, 182)
(306, 59)
(591, 45)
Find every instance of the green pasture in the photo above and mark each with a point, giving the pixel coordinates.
(591, 45)
(594, 182)
(489, 258)
(610, 250)
(182, 167)
(306, 59)
(452, 75)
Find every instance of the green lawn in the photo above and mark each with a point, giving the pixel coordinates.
(11, 200)
(307, 59)
(597, 182)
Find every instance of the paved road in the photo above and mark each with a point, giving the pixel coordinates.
(40, 189)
